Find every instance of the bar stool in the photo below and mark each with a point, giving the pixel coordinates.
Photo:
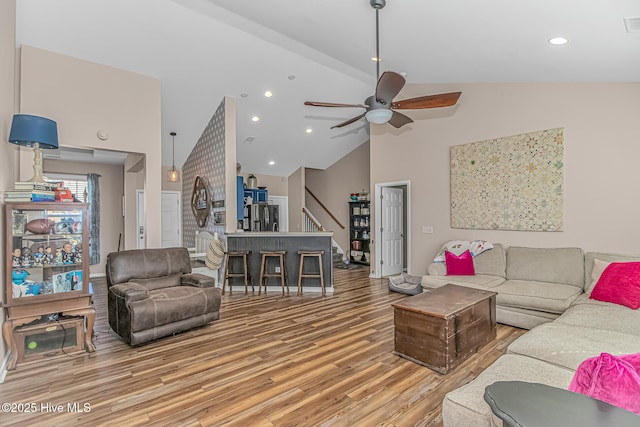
(264, 273)
(245, 273)
(315, 254)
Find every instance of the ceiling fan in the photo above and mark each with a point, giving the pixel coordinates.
(380, 106)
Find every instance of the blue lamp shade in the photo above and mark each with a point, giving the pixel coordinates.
(27, 130)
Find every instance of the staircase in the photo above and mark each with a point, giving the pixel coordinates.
(311, 224)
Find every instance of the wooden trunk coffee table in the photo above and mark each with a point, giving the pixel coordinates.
(443, 327)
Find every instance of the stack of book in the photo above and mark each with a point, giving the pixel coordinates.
(26, 191)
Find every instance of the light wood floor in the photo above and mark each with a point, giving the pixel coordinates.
(269, 361)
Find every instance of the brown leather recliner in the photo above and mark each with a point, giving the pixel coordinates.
(152, 293)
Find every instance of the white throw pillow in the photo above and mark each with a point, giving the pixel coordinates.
(598, 268)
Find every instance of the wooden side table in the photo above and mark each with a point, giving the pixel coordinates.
(21, 315)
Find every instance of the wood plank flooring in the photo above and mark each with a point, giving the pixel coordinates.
(269, 361)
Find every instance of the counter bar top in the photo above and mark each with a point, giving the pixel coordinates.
(281, 234)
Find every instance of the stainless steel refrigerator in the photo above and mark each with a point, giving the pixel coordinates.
(264, 217)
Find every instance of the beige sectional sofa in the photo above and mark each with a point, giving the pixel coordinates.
(534, 285)
(567, 326)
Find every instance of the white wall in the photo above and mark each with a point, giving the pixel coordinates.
(84, 97)
(333, 186)
(111, 190)
(602, 148)
(8, 154)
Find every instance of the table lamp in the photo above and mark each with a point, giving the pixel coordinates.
(37, 132)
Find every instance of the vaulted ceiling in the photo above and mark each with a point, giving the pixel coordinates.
(203, 50)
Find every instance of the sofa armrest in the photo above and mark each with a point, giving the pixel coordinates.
(437, 269)
(130, 291)
(198, 280)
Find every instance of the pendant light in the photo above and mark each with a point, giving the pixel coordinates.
(173, 172)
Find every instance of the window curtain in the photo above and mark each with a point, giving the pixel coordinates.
(93, 193)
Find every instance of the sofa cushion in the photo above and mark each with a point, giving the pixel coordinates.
(168, 305)
(146, 264)
(492, 262)
(159, 282)
(601, 315)
(598, 268)
(569, 345)
(589, 258)
(465, 406)
(479, 281)
(553, 265)
(542, 296)
(522, 317)
(459, 265)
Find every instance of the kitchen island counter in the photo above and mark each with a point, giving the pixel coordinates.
(291, 242)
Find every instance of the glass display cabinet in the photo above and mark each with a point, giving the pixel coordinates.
(47, 268)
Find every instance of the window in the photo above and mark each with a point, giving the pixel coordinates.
(76, 183)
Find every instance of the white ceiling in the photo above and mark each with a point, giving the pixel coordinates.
(203, 50)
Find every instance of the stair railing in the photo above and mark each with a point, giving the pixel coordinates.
(311, 225)
(325, 208)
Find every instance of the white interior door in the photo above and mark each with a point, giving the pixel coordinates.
(171, 219)
(392, 237)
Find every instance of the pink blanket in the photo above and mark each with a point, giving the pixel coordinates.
(615, 380)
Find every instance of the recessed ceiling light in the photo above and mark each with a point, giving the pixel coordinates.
(308, 130)
(375, 59)
(255, 118)
(244, 94)
(558, 40)
(271, 163)
(249, 139)
(291, 76)
(268, 94)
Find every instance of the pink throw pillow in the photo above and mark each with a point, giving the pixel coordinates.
(461, 265)
(615, 380)
(619, 284)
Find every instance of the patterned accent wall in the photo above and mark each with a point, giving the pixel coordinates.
(207, 160)
(510, 183)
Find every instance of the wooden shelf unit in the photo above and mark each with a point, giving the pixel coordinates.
(56, 286)
(359, 231)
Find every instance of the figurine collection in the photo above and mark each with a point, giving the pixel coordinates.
(57, 253)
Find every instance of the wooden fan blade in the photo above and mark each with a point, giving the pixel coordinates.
(430, 101)
(348, 122)
(330, 104)
(398, 120)
(389, 85)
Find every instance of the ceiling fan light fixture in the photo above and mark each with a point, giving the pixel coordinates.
(378, 117)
